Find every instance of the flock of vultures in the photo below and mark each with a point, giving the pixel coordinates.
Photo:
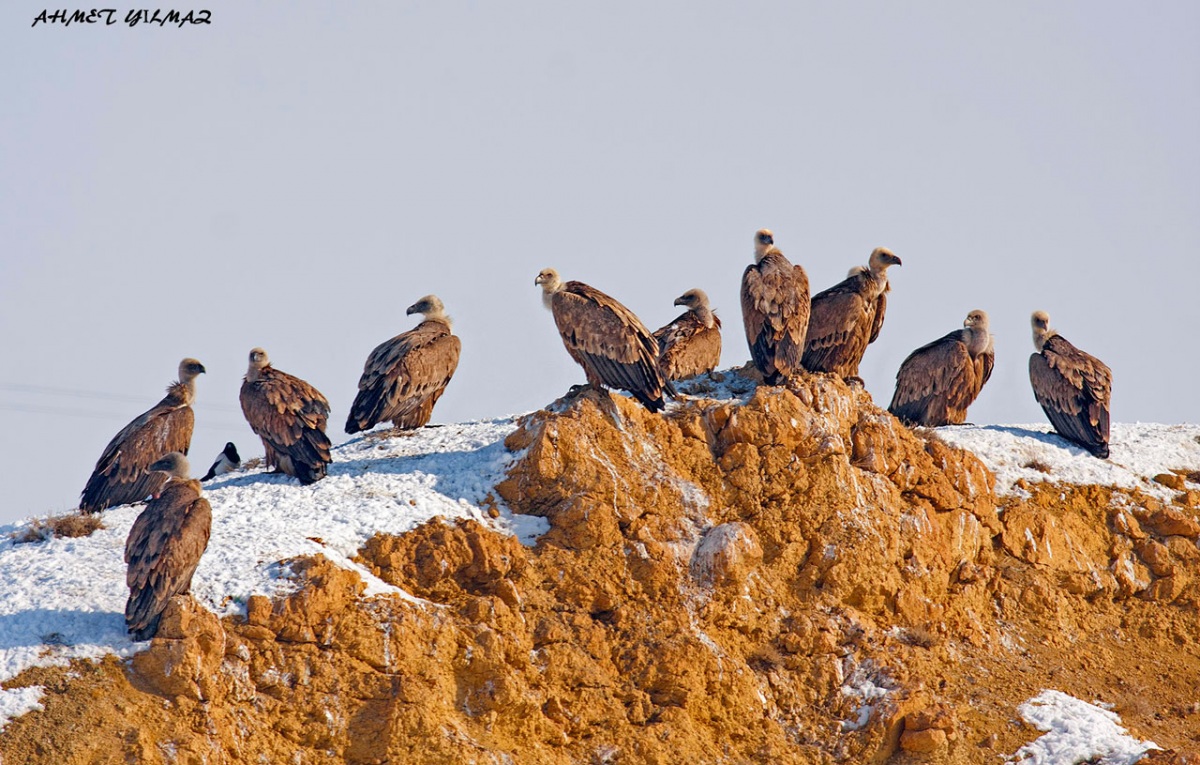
(788, 332)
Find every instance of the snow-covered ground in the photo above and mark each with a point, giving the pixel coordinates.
(65, 598)
(1076, 731)
(1138, 452)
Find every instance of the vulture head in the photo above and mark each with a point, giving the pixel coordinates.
(763, 241)
(881, 259)
(258, 362)
(174, 464)
(976, 319)
(979, 339)
(1040, 321)
(429, 306)
(693, 299)
(550, 282)
(189, 369)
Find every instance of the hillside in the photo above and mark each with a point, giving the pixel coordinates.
(761, 575)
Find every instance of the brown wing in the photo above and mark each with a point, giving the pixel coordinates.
(611, 344)
(687, 348)
(289, 415)
(404, 377)
(838, 329)
(163, 550)
(984, 363)
(775, 311)
(880, 312)
(936, 383)
(1073, 389)
(121, 474)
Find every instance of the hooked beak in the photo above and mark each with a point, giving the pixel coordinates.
(680, 301)
(896, 261)
(410, 310)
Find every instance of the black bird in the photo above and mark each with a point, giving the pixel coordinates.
(227, 461)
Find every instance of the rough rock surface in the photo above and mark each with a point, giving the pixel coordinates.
(790, 577)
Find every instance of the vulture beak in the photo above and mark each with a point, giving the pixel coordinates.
(680, 301)
(202, 369)
(410, 310)
(537, 280)
(896, 261)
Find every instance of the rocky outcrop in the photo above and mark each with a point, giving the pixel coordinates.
(790, 576)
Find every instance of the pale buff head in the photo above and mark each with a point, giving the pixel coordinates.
(550, 283)
(764, 240)
(979, 338)
(696, 301)
(693, 299)
(190, 369)
(430, 307)
(174, 464)
(881, 259)
(258, 362)
(1040, 321)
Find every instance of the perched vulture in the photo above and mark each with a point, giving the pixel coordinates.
(227, 461)
(405, 376)
(1073, 387)
(164, 546)
(122, 473)
(775, 309)
(938, 381)
(690, 345)
(289, 415)
(605, 338)
(847, 317)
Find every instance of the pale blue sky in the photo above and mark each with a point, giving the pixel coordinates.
(295, 174)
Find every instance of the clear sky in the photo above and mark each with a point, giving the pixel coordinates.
(294, 175)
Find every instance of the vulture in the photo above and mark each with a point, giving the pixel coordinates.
(1072, 387)
(690, 345)
(227, 461)
(847, 317)
(164, 546)
(775, 309)
(938, 381)
(122, 473)
(605, 338)
(404, 377)
(289, 415)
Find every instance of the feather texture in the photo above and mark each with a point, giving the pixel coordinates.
(162, 552)
(775, 310)
(939, 380)
(1073, 388)
(404, 377)
(290, 416)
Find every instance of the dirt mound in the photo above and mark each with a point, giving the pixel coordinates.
(788, 577)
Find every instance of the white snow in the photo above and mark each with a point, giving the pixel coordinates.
(1138, 452)
(1076, 731)
(64, 599)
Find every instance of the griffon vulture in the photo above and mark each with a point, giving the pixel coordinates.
(1073, 387)
(605, 338)
(847, 317)
(164, 546)
(938, 381)
(691, 344)
(227, 461)
(775, 309)
(122, 473)
(289, 415)
(404, 377)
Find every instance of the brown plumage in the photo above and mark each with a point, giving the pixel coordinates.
(938, 381)
(775, 309)
(122, 473)
(847, 317)
(289, 415)
(691, 344)
(605, 338)
(164, 546)
(404, 377)
(1072, 387)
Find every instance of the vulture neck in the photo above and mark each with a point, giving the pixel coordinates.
(184, 390)
(977, 340)
(438, 316)
(705, 315)
(254, 374)
(548, 290)
(1041, 337)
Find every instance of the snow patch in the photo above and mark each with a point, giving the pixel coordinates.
(64, 599)
(1138, 452)
(1076, 731)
